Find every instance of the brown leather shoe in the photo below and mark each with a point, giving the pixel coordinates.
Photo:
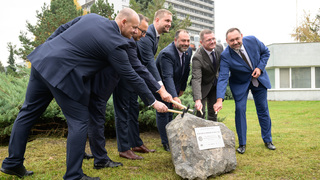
(130, 155)
(143, 149)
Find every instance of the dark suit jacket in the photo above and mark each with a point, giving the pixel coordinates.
(169, 66)
(240, 72)
(147, 48)
(143, 72)
(79, 49)
(203, 72)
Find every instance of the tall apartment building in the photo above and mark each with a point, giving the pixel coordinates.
(201, 12)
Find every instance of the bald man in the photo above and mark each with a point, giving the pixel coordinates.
(62, 68)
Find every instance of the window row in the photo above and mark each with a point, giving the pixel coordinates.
(297, 77)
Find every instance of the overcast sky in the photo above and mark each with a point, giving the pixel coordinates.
(270, 21)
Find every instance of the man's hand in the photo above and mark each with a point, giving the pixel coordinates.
(160, 107)
(218, 105)
(165, 96)
(198, 105)
(179, 101)
(256, 73)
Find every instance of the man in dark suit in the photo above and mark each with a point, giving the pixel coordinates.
(243, 63)
(126, 100)
(173, 63)
(62, 68)
(205, 72)
(127, 127)
(103, 85)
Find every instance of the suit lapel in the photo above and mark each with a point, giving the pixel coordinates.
(206, 58)
(248, 48)
(237, 58)
(154, 37)
(177, 61)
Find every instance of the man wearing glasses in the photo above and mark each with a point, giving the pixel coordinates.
(126, 101)
(104, 84)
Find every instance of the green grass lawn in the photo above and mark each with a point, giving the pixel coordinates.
(295, 130)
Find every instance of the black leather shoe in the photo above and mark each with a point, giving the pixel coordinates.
(110, 163)
(20, 172)
(270, 146)
(166, 147)
(85, 177)
(241, 149)
(87, 156)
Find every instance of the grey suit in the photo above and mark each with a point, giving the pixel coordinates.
(204, 79)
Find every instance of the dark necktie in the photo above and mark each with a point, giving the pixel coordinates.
(182, 63)
(157, 42)
(244, 58)
(254, 81)
(214, 61)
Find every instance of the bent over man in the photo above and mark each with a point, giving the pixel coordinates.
(62, 68)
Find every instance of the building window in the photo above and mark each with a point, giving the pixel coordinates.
(317, 77)
(271, 73)
(301, 77)
(284, 78)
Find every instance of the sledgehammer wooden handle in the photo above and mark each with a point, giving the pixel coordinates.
(178, 104)
(174, 111)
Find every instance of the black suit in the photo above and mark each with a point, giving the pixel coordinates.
(62, 68)
(104, 83)
(126, 98)
(174, 76)
(126, 105)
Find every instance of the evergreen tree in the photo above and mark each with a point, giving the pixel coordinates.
(48, 20)
(11, 60)
(103, 8)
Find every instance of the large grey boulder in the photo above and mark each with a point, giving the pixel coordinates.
(189, 161)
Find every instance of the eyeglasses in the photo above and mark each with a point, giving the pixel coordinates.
(143, 32)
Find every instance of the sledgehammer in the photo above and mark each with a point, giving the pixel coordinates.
(180, 112)
(183, 106)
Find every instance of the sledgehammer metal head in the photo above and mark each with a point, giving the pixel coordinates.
(185, 110)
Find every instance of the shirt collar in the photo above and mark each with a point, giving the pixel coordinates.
(242, 49)
(208, 52)
(180, 53)
(157, 34)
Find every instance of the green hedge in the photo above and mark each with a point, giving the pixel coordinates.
(12, 93)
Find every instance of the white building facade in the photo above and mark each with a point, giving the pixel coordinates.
(294, 71)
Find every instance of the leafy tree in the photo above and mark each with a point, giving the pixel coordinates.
(1, 68)
(309, 30)
(11, 60)
(103, 8)
(48, 20)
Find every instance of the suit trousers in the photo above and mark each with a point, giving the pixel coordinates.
(126, 108)
(38, 96)
(103, 84)
(208, 102)
(260, 98)
(162, 120)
